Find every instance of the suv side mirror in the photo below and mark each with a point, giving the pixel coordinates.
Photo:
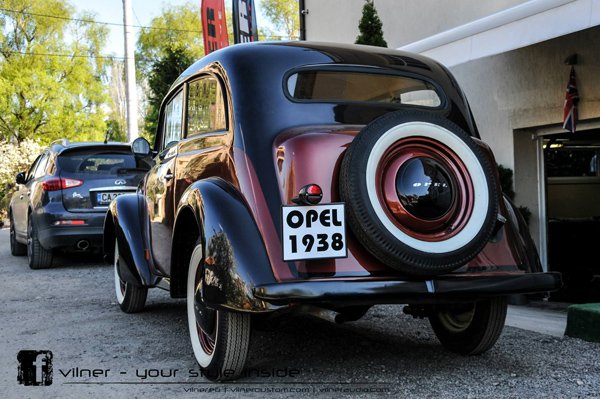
(141, 147)
(20, 178)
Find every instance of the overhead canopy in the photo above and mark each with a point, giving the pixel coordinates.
(516, 27)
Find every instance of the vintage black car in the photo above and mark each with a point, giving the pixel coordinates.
(307, 177)
(60, 203)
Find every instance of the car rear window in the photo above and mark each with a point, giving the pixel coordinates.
(343, 86)
(96, 163)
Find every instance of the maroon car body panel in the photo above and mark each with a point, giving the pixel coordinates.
(309, 155)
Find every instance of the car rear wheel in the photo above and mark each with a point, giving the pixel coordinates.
(131, 298)
(16, 248)
(420, 192)
(37, 256)
(470, 329)
(220, 339)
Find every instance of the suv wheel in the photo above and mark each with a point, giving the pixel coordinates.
(220, 339)
(38, 256)
(131, 298)
(470, 329)
(16, 248)
(420, 193)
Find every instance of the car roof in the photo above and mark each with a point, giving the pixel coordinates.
(258, 70)
(302, 53)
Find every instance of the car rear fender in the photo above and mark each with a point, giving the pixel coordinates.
(529, 251)
(126, 222)
(234, 255)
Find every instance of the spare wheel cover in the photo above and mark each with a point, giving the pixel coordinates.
(475, 171)
(421, 194)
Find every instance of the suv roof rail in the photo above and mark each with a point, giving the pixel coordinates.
(63, 142)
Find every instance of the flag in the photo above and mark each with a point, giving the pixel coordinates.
(214, 25)
(570, 107)
(244, 21)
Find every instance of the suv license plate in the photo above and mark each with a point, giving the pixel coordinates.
(313, 232)
(106, 198)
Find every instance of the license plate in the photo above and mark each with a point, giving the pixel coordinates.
(313, 232)
(105, 198)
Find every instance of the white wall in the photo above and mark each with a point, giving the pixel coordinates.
(404, 21)
(525, 88)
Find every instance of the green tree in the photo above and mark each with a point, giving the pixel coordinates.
(284, 15)
(370, 27)
(177, 28)
(50, 73)
(173, 42)
(163, 73)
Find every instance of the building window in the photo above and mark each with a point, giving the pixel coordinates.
(342, 86)
(572, 155)
(206, 107)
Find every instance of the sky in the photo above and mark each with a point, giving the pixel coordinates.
(143, 12)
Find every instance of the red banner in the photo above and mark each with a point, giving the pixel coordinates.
(214, 25)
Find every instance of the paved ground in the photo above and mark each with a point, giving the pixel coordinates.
(70, 310)
(545, 321)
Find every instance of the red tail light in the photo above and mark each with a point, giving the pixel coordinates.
(311, 194)
(313, 189)
(55, 184)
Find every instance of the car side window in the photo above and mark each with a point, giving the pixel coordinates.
(173, 121)
(33, 167)
(206, 107)
(51, 166)
(40, 170)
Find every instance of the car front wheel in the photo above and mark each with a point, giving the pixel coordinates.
(220, 339)
(37, 256)
(131, 299)
(470, 329)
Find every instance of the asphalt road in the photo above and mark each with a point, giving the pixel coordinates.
(70, 310)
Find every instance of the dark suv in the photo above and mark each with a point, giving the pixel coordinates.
(61, 201)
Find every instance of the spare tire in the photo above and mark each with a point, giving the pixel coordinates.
(420, 194)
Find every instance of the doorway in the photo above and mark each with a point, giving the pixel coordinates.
(572, 187)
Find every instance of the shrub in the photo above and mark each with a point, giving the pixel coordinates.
(506, 182)
(370, 27)
(14, 158)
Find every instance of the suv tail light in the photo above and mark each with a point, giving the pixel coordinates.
(55, 184)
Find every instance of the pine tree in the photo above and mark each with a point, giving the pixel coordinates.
(370, 27)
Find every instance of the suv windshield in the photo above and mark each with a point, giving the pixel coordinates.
(343, 86)
(96, 163)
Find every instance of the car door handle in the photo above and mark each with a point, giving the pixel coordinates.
(168, 175)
